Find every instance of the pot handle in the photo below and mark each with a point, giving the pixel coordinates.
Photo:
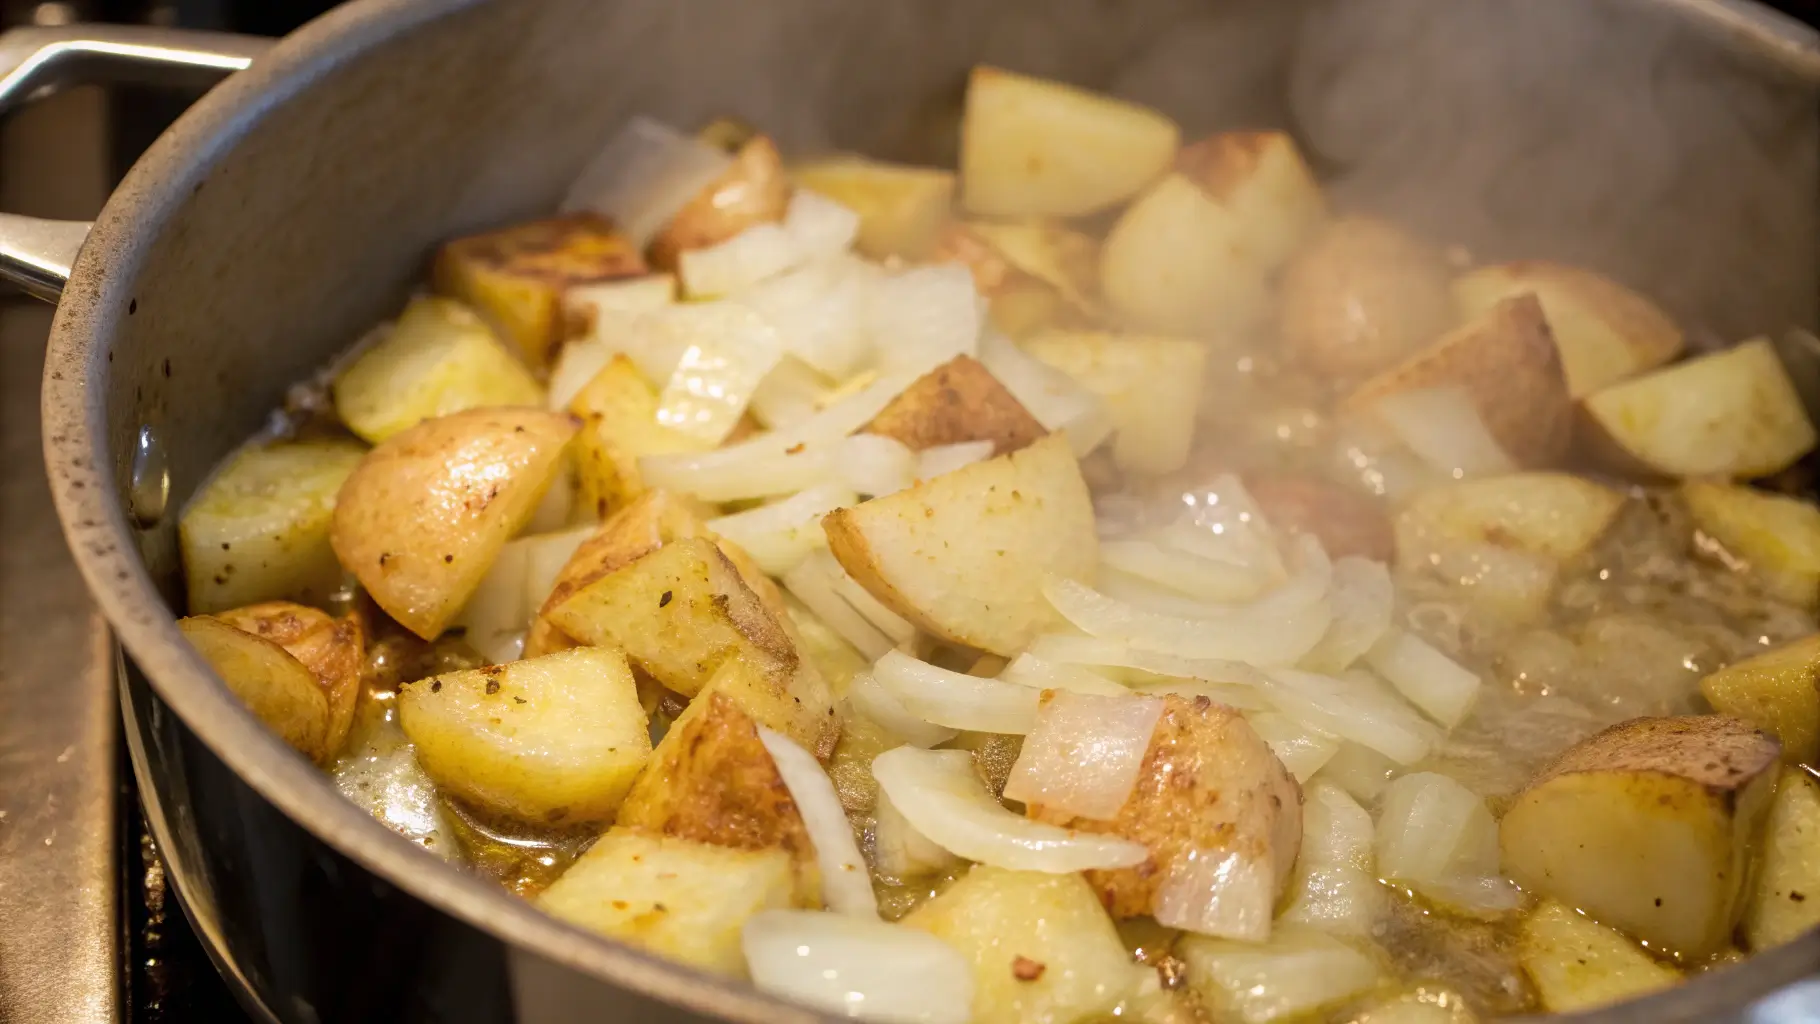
(36, 254)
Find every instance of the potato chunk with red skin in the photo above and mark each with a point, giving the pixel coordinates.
(755, 190)
(956, 402)
(1343, 520)
(334, 650)
(1208, 785)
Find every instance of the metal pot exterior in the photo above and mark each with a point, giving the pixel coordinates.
(296, 205)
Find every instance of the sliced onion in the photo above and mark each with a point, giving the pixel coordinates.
(1223, 893)
(923, 317)
(1051, 396)
(1298, 972)
(579, 362)
(1203, 579)
(1038, 674)
(814, 584)
(1335, 887)
(895, 627)
(1088, 650)
(644, 174)
(820, 227)
(756, 254)
(898, 850)
(1443, 427)
(789, 394)
(554, 511)
(875, 465)
(545, 556)
(846, 885)
(1363, 601)
(866, 970)
(877, 703)
(819, 312)
(946, 458)
(955, 700)
(1224, 523)
(1244, 698)
(1359, 770)
(1302, 750)
(610, 311)
(1352, 711)
(1440, 686)
(939, 793)
(1084, 754)
(731, 348)
(1151, 597)
(780, 535)
(1437, 837)
(497, 612)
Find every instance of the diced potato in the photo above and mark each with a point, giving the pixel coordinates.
(1648, 826)
(1578, 964)
(1036, 148)
(795, 702)
(274, 686)
(1361, 296)
(964, 556)
(679, 612)
(1049, 252)
(680, 899)
(556, 740)
(1605, 331)
(1043, 950)
(900, 207)
(334, 650)
(1732, 413)
(957, 401)
(437, 359)
(618, 409)
(1194, 254)
(422, 517)
(1345, 521)
(1776, 535)
(1557, 515)
(753, 191)
(1778, 692)
(1505, 360)
(1296, 973)
(711, 780)
(515, 277)
(259, 530)
(1152, 388)
(1786, 903)
(1210, 796)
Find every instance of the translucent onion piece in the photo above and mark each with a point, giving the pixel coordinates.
(874, 465)
(610, 311)
(780, 535)
(1053, 397)
(1301, 749)
(758, 253)
(1088, 650)
(1363, 601)
(899, 851)
(1335, 887)
(1443, 427)
(789, 394)
(820, 227)
(1437, 837)
(1223, 893)
(1224, 523)
(1443, 688)
(878, 704)
(866, 970)
(1359, 770)
(545, 555)
(1084, 754)
(946, 458)
(955, 700)
(645, 174)
(497, 613)
(939, 793)
(554, 511)
(1036, 673)
(1243, 698)
(923, 317)
(819, 312)
(1296, 973)
(1152, 597)
(1200, 578)
(895, 627)
(1352, 711)
(846, 885)
(731, 349)
(814, 584)
(579, 362)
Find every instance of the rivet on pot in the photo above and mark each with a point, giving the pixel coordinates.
(150, 489)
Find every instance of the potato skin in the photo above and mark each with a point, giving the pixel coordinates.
(1345, 521)
(274, 686)
(334, 650)
(1777, 691)
(1363, 294)
(957, 401)
(754, 190)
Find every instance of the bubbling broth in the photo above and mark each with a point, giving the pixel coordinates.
(1111, 580)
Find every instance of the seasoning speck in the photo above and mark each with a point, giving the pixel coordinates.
(1025, 969)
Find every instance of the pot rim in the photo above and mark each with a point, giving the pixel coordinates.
(90, 507)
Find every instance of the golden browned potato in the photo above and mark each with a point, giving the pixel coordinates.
(679, 612)
(1361, 296)
(274, 686)
(618, 410)
(1778, 537)
(794, 701)
(1036, 148)
(1649, 827)
(1786, 903)
(1731, 414)
(1558, 515)
(754, 190)
(1605, 331)
(1210, 797)
(712, 780)
(259, 530)
(900, 207)
(964, 556)
(515, 276)
(437, 359)
(1506, 361)
(556, 740)
(422, 517)
(1777, 691)
(957, 401)
(1578, 964)
(334, 650)
(1152, 388)
(683, 900)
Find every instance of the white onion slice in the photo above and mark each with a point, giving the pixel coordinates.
(939, 793)
(1363, 601)
(820, 227)
(1359, 770)
(1154, 598)
(1244, 698)
(898, 850)
(1291, 977)
(819, 312)
(1224, 523)
(846, 885)
(610, 310)
(920, 318)
(730, 350)
(1443, 427)
(895, 627)
(875, 465)
(1352, 711)
(1223, 893)
(1437, 837)
(814, 584)
(1088, 650)
(780, 535)
(1084, 754)
(579, 362)
(956, 700)
(946, 458)
(1038, 674)
(1203, 579)
(1051, 396)
(1302, 750)
(758, 253)
(545, 556)
(866, 970)
(644, 174)
(1443, 688)
(497, 612)
(1335, 887)
(877, 703)
(790, 393)
(554, 511)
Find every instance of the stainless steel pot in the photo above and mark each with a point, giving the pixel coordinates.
(294, 205)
